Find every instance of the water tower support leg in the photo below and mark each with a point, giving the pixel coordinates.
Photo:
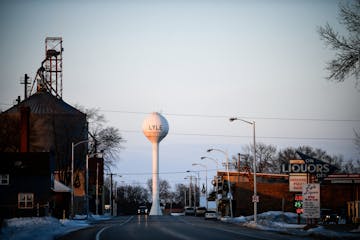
(155, 208)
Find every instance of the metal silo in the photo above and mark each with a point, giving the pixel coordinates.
(53, 126)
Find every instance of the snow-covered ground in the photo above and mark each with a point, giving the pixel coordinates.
(46, 228)
(286, 222)
(43, 228)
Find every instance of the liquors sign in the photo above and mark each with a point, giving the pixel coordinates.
(319, 169)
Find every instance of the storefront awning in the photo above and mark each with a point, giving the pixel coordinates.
(59, 187)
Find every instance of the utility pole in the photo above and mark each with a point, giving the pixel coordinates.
(111, 189)
(190, 192)
(87, 185)
(111, 193)
(97, 189)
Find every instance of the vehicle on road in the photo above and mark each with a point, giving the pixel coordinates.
(329, 216)
(190, 211)
(210, 215)
(200, 211)
(142, 210)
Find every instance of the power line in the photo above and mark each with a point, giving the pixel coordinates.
(244, 117)
(243, 136)
(227, 117)
(161, 173)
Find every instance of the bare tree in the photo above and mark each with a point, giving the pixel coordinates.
(103, 138)
(351, 166)
(164, 189)
(347, 59)
(287, 154)
(180, 193)
(357, 141)
(130, 197)
(265, 157)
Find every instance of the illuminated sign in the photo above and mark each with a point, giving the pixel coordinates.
(320, 169)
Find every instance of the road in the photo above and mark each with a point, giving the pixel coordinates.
(170, 227)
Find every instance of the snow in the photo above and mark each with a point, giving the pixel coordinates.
(43, 228)
(46, 228)
(286, 222)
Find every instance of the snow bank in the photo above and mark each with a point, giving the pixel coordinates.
(42, 228)
(286, 222)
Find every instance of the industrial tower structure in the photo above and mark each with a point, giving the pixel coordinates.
(49, 76)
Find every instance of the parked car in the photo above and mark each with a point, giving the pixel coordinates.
(210, 215)
(329, 216)
(189, 211)
(142, 210)
(200, 211)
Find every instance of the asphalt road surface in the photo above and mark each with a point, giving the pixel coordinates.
(170, 227)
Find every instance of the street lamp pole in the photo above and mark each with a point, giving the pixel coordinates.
(73, 145)
(190, 192)
(228, 176)
(255, 198)
(206, 186)
(217, 179)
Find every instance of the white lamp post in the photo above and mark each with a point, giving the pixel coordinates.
(255, 197)
(228, 176)
(217, 179)
(190, 192)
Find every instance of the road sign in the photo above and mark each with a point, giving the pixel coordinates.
(255, 198)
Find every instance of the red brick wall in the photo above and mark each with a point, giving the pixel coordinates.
(272, 197)
(276, 197)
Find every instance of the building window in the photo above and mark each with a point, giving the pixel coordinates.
(4, 179)
(25, 200)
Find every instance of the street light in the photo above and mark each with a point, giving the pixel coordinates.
(73, 145)
(190, 192)
(111, 190)
(206, 186)
(228, 176)
(217, 179)
(255, 198)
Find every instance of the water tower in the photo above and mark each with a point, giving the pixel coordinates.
(155, 128)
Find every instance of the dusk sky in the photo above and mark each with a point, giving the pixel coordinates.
(198, 63)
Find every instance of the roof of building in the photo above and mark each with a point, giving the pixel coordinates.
(45, 103)
(269, 175)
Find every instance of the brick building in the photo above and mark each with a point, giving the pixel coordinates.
(274, 194)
